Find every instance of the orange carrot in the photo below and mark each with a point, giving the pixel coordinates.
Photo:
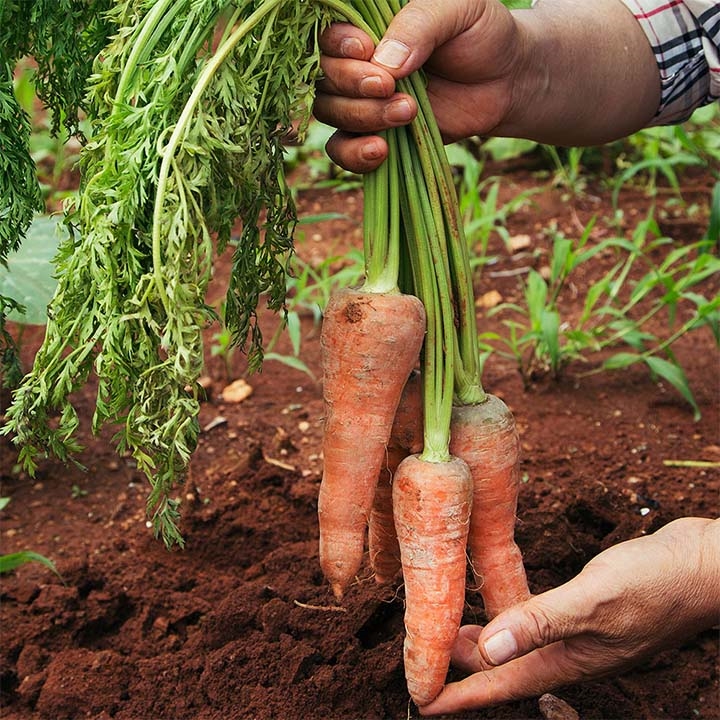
(485, 436)
(406, 438)
(370, 343)
(432, 502)
(382, 539)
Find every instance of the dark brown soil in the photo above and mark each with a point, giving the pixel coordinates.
(241, 625)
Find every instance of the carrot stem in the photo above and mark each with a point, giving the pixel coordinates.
(468, 382)
(381, 227)
(432, 287)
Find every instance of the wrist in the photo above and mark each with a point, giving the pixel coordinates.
(576, 84)
(529, 81)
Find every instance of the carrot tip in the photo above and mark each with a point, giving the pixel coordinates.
(338, 591)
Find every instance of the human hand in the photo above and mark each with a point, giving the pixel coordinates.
(632, 600)
(490, 72)
(468, 49)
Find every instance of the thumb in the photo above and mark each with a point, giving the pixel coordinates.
(419, 28)
(558, 614)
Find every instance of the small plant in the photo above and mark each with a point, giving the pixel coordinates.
(309, 288)
(568, 168)
(479, 201)
(11, 561)
(222, 346)
(621, 311)
(76, 492)
(662, 151)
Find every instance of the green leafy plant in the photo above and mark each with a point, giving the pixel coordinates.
(12, 561)
(164, 179)
(481, 210)
(663, 151)
(188, 102)
(624, 309)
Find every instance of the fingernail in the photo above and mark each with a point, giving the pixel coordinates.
(391, 53)
(371, 151)
(371, 87)
(352, 48)
(399, 111)
(500, 647)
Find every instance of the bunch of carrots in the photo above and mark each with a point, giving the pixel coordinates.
(418, 458)
(188, 101)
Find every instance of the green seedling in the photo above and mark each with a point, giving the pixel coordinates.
(12, 561)
(481, 210)
(661, 152)
(617, 309)
(568, 169)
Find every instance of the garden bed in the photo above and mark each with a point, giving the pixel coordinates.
(241, 624)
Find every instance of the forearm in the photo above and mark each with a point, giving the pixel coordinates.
(586, 75)
(696, 544)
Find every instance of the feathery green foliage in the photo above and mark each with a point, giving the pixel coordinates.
(189, 107)
(188, 103)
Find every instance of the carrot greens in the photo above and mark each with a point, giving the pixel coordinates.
(186, 138)
(188, 102)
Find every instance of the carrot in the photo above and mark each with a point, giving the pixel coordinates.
(406, 438)
(370, 343)
(432, 502)
(485, 436)
(382, 539)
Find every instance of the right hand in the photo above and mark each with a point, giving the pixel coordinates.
(469, 50)
(631, 601)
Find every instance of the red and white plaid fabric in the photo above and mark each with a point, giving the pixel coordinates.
(685, 37)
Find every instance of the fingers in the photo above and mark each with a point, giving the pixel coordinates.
(555, 615)
(354, 78)
(465, 653)
(422, 26)
(528, 676)
(359, 154)
(358, 98)
(343, 40)
(364, 116)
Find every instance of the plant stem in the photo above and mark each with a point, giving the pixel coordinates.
(432, 287)
(468, 381)
(203, 81)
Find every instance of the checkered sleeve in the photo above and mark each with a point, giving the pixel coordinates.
(685, 37)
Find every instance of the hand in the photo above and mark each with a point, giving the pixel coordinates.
(490, 72)
(631, 601)
(467, 48)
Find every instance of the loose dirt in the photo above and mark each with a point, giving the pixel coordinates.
(241, 624)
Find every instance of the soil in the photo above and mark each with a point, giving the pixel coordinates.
(240, 624)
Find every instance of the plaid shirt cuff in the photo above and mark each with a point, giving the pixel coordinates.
(685, 37)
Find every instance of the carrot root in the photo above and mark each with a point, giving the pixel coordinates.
(370, 344)
(406, 438)
(432, 504)
(382, 539)
(485, 436)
